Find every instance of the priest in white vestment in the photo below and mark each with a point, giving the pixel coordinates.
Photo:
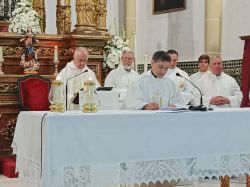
(203, 64)
(153, 90)
(123, 76)
(182, 84)
(76, 66)
(219, 90)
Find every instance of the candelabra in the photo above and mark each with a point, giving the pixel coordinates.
(56, 62)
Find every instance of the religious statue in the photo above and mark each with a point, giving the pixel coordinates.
(29, 56)
(85, 13)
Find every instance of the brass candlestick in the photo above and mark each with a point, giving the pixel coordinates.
(56, 96)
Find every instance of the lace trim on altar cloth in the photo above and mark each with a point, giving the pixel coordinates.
(77, 176)
(158, 170)
(29, 171)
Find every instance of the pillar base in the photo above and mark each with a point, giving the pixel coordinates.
(86, 30)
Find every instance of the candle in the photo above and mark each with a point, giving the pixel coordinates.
(56, 54)
(145, 62)
(1, 53)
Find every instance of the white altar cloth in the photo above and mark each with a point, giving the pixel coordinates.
(112, 147)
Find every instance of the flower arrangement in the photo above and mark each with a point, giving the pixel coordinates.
(24, 17)
(113, 50)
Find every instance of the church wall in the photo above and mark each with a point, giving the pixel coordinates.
(181, 30)
(235, 23)
(184, 30)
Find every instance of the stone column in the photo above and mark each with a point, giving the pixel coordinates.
(38, 6)
(101, 14)
(63, 17)
(213, 22)
(86, 17)
(130, 21)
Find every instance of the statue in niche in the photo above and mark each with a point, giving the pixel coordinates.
(29, 56)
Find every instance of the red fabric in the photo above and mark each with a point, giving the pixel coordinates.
(34, 94)
(245, 79)
(8, 166)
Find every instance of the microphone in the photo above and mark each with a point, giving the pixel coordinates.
(200, 107)
(67, 86)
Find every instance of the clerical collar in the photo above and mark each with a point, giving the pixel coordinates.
(154, 75)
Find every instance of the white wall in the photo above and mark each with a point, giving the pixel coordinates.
(182, 30)
(235, 23)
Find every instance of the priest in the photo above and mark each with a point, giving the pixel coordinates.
(152, 90)
(123, 76)
(76, 66)
(203, 64)
(182, 84)
(219, 89)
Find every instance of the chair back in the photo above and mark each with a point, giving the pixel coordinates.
(33, 93)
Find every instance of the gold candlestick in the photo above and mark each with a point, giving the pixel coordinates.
(56, 96)
(56, 60)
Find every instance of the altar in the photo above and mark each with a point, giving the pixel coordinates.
(109, 148)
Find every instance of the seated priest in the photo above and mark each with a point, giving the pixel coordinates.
(76, 66)
(203, 64)
(185, 88)
(123, 76)
(219, 90)
(153, 90)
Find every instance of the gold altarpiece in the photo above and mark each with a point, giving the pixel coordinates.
(90, 32)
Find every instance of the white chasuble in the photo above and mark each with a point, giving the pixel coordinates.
(147, 89)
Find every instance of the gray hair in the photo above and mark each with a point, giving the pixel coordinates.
(81, 49)
(127, 50)
(216, 57)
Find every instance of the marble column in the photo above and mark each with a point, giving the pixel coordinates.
(213, 25)
(130, 22)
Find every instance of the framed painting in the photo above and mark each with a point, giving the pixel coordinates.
(165, 6)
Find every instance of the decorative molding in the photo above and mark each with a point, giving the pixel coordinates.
(95, 50)
(8, 131)
(7, 50)
(8, 88)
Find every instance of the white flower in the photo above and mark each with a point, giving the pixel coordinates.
(23, 17)
(113, 50)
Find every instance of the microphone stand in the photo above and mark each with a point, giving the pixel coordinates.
(200, 107)
(66, 89)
